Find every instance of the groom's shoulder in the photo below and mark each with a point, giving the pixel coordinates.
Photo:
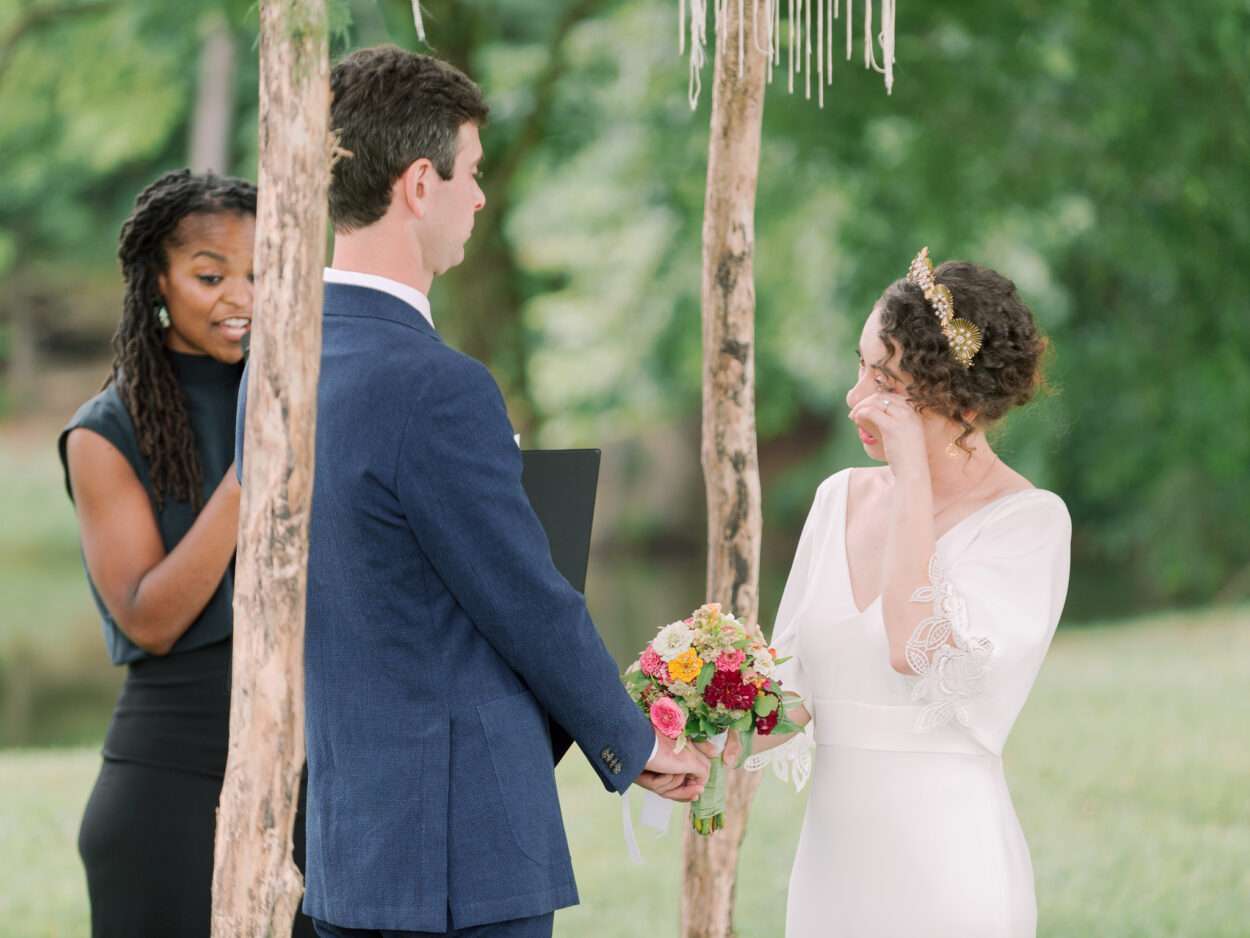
(432, 370)
(451, 367)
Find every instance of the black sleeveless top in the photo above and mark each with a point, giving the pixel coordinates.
(211, 388)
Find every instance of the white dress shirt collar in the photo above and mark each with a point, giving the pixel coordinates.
(410, 295)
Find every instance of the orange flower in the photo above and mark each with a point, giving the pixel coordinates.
(686, 666)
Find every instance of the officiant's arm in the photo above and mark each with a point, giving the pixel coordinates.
(458, 478)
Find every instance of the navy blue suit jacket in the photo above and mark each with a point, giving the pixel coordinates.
(440, 641)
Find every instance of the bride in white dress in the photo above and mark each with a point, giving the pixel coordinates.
(922, 600)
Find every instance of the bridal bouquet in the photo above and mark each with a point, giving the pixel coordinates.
(700, 678)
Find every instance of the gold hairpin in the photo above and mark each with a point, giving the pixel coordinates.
(963, 336)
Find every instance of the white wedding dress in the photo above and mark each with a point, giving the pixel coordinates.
(910, 831)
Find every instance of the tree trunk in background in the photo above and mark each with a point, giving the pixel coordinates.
(256, 887)
(730, 464)
(488, 290)
(212, 126)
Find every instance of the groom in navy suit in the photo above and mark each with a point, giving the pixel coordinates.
(443, 650)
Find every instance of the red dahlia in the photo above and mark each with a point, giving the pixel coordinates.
(729, 690)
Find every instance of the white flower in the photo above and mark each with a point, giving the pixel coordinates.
(761, 660)
(673, 640)
(687, 692)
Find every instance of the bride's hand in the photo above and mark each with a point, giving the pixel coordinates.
(731, 753)
(899, 428)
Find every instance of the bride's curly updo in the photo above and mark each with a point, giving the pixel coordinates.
(1006, 372)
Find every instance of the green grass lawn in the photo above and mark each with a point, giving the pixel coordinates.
(1129, 769)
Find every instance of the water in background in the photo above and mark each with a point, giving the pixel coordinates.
(631, 594)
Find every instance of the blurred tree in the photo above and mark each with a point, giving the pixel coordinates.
(1093, 157)
(1092, 153)
(213, 114)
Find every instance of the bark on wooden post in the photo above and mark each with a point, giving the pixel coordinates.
(730, 464)
(256, 887)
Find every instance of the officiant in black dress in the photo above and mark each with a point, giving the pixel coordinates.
(149, 466)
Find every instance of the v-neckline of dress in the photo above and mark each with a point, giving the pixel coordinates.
(846, 554)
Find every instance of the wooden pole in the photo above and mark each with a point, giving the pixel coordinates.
(730, 463)
(256, 887)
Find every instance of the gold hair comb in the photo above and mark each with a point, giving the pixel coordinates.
(963, 336)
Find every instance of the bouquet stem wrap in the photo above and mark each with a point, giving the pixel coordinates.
(707, 813)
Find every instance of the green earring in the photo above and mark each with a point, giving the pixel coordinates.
(162, 316)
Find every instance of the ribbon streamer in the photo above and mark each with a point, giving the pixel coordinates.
(800, 45)
(656, 814)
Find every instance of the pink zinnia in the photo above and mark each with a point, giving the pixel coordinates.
(731, 660)
(668, 718)
(651, 663)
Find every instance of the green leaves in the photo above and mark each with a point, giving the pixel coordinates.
(705, 677)
(765, 704)
(636, 681)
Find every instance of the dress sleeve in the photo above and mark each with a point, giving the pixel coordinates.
(105, 415)
(995, 605)
(792, 760)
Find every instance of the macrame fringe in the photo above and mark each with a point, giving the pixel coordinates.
(417, 21)
(801, 46)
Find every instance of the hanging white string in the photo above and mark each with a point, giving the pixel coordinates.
(820, 52)
(888, 10)
(777, 32)
(698, 49)
(870, 57)
(416, 19)
(807, 77)
(790, 47)
(800, 44)
(850, 18)
(833, 14)
(766, 49)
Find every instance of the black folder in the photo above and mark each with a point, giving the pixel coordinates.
(561, 485)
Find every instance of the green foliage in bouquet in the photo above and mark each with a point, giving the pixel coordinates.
(702, 677)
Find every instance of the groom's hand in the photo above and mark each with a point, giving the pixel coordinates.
(686, 771)
(672, 787)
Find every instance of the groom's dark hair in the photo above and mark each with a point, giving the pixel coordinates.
(391, 108)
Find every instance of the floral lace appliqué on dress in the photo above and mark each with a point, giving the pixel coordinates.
(950, 665)
(791, 761)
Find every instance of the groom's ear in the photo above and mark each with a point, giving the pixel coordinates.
(414, 186)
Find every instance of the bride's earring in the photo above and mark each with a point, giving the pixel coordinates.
(162, 316)
(953, 451)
